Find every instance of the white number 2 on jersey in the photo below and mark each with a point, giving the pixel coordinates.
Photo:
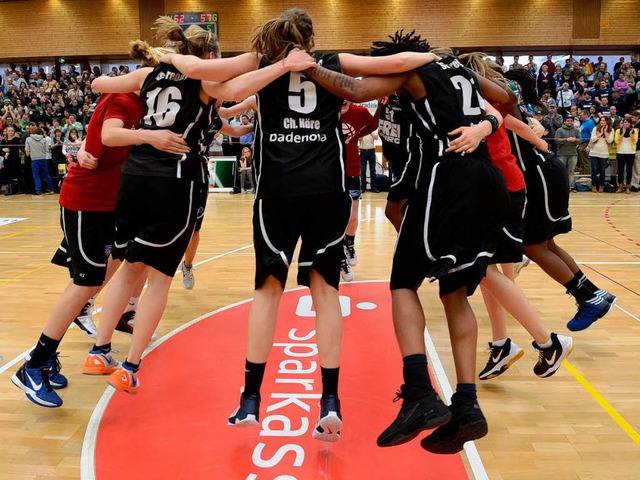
(160, 107)
(302, 94)
(463, 84)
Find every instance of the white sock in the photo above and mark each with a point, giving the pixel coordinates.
(499, 343)
(547, 344)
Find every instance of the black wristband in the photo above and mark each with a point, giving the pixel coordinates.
(495, 124)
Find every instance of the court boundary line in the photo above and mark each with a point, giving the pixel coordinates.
(473, 456)
(87, 456)
(21, 357)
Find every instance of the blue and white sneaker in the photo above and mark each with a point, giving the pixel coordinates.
(248, 413)
(588, 312)
(34, 382)
(329, 423)
(56, 379)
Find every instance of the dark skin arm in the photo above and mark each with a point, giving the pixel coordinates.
(394, 211)
(357, 91)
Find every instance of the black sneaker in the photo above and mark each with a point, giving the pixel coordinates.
(329, 422)
(125, 324)
(467, 423)
(550, 358)
(248, 413)
(415, 416)
(500, 359)
(608, 296)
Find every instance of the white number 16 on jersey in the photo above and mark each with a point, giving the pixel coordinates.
(302, 93)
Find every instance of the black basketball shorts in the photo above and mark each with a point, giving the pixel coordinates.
(510, 248)
(451, 225)
(155, 219)
(86, 245)
(547, 209)
(201, 209)
(319, 220)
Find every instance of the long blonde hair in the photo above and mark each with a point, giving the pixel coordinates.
(192, 41)
(277, 37)
(147, 55)
(479, 63)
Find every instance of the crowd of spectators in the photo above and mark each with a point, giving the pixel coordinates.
(578, 97)
(60, 103)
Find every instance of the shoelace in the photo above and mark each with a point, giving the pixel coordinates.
(399, 396)
(46, 371)
(56, 365)
(345, 267)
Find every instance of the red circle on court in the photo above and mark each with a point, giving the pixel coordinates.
(175, 427)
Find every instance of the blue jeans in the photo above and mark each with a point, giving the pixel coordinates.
(598, 167)
(368, 157)
(39, 167)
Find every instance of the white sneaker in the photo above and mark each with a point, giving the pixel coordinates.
(350, 253)
(346, 272)
(188, 280)
(517, 267)
(84, 321)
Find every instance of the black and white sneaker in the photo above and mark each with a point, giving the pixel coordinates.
(84, 321)
(467, 423)
(329, 423)
(500, 359)
(126, 322)
(248, 412)
(550, 359)
(415, 416)
(350, 253)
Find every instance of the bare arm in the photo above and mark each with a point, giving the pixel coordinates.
(115, 135)
(216, 70)
(356, 90)
(470, 137)
(394, 211)
(235, 130)
(248, 103)
(524, 131)
(130, 82)
(249, 83)
(359, 65)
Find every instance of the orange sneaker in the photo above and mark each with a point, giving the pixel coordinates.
(100, 363)
(124, 380)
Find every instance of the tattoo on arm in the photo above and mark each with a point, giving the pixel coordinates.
(336, 79)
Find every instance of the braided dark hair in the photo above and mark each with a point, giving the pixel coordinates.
(527, 85)
(400, 42)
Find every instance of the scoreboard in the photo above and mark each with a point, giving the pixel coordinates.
(206, 20)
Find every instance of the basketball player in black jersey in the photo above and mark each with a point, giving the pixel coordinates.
(395, 130)
(547, 216)
(456, 204)
(301, 193)
(159, 194)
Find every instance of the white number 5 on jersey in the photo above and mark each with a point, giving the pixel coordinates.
(302, 94)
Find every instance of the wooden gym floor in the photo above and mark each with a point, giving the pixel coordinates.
(583, 423)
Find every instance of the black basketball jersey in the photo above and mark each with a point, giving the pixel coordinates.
(298, 146)
(172, 102)
(453, 100)
(394, 127)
